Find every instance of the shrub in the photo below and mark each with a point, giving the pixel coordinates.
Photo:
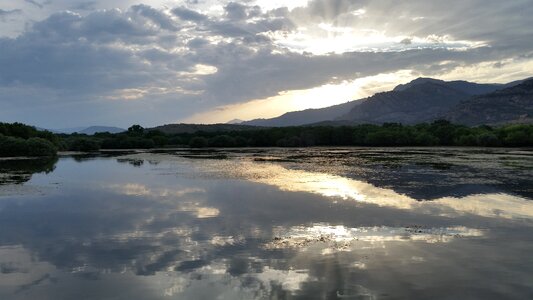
(11, 146)
(40, 147)
(488, 140)
(222, 141)
(160, 141)
(198, 142)
(175, 141)
(84, 144)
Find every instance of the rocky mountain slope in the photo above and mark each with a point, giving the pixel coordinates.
(307, 116)
(510, 105)
(421, 100)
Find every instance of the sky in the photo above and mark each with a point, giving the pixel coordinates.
(70, 63)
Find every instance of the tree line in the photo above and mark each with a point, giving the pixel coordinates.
(21, 140)
(18, 139)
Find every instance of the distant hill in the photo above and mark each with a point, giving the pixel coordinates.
(67, 130)
(466, 87)
(509, 105)
(94, 129)
(88, 130)
(421, 100)
(192, 128)
(307, 116)
(235, 121)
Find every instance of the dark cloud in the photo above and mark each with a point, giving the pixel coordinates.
(188, 15)
(197, 43)
(156, 16)
(87, 5)
(406, 41)
(236, 11)
(327, 10)
(165, 59)
(39, 5)
(6, 13)
(256, 75)
(10, 12)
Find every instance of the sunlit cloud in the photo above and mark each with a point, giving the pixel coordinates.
(182, 60)
(319, 97)
(346, 39)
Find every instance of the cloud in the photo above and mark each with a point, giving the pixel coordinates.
(188, 15)
(91, 59)
(6, 13)
(161, 19)
(406, 41)
(238, 12)
(35, 3)
(87, 5)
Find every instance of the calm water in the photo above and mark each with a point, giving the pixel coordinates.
(269, 224)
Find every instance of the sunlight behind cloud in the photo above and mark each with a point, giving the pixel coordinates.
(273, 4)
(347, 39)
(319, 97)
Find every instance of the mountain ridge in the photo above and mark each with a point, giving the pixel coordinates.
(90, 130)
(303, 117)
(420, 100)
(513, 104)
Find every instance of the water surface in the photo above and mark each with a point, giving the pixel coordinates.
(319, 223)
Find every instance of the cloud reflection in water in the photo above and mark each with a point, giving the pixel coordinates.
(493, 205)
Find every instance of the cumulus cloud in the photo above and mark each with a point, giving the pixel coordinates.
(188, 14)
(6, 13)
(39, 5)
(87, 5)
(96, 58)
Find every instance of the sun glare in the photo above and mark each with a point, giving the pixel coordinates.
(323, 96)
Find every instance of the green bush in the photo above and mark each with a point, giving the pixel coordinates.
(222, 141)
(160, 141)
(11, 146)
(84, 144)
(488, 139)
(240, 142)
(425, 139)
(40, 147)
(198, 142)
(175, 141)
(124, 142)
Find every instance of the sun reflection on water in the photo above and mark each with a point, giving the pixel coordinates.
(342, 238)
(495, 205)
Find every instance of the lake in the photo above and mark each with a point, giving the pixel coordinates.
(316, 223)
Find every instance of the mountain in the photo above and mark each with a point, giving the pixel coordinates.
(421, 100)
(466, 87)
(509, 105)
(94, 129)
(67, 130)
(88, 130)
(192, 128)
(307, 116)
(235, 121)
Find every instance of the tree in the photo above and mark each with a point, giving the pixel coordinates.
(83, 144)
(222, 141)
(135, 130)
(198, 142)
(40, 147)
